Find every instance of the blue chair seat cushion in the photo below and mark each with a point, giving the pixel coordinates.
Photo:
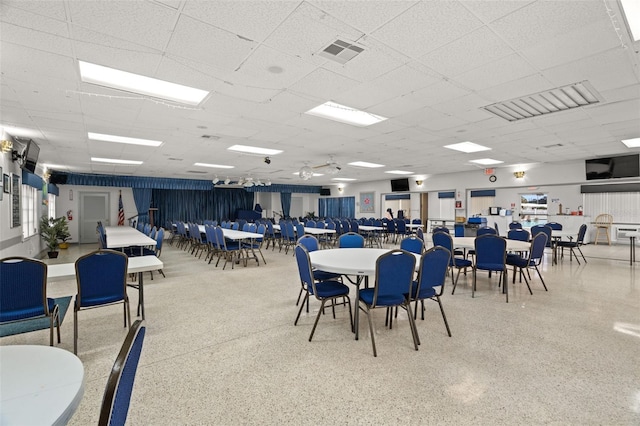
(25, 313)
(425, 292)
(490, 266)
(517, 260)
(394, 299)
(325, 276)
(233, 245)
(137, 252)
(99, 300)
(567, 244)
(326, 289)
(461, 263)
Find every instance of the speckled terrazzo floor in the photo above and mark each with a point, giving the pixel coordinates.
(221, 349)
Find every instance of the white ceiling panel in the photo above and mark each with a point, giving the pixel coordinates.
(490, 10)
(365, 17)
(51, 9)
(503, 70)
(323, 85)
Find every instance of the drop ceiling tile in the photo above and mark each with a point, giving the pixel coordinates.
(254, 20)
(615, 112)
(205, 43)
(423, 28)
(365, 18)
(475, 49)
(138, 22)
(490, 10)
(513, 89)
(10, 33)
(26, 64)
(323, 84)
(509, 68)
(408, 78)
(366, 95)
(51, 9)
(440, 92)
(396, 107)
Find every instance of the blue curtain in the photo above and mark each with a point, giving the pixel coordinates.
(142, 197)
(53, 189)
(337, 207)
(32, 180)
(285, 201)
(130, 181)
(276, 187)
(196, 206)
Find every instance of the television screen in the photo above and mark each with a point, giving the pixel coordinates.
(400, 185)
(613, 167)
(31, 154)
(325, 191)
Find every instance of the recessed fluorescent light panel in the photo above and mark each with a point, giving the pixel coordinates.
(344, 179)
(254, 150)
(399, 172)
(632, 143)
(136, 83)
(115, 161)
(467, 147)
(345, 114)
(122, 139)
(365, 164)
(486, 161)
(632, 13)
(314, 175)
(213, 166)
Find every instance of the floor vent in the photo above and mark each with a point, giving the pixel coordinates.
(555, 100)
(341, 51)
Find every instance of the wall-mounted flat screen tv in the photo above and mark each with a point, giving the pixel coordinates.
(613, 167)
(325, 191)
(400, 185)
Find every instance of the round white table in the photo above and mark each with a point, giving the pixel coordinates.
(512, 245)
(39, 385)
(351, 261)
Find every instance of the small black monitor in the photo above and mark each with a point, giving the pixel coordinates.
(400, 185)
(325, 191)
(30, 156)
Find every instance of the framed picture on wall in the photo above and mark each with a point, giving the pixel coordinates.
(367, 204)
(6, 184)
(16, 211)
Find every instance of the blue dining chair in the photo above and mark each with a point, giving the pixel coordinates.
(515, 225)
(117, 394)
(412, 244)
(574, 245)
(323, 291)
(533, 260)
(432, 275)
(23, 293)
(101, 277)
(394, 280)
(491, 253)
(351, 240)
(443, 239)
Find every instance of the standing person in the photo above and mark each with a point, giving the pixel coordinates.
(389, 215)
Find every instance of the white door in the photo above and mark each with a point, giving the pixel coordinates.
(94, 208)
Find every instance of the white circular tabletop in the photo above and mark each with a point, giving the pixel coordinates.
(351, 261)
(39, 385)
(469, 242)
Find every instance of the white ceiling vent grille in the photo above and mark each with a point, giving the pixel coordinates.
(554, 100)
(341, 51)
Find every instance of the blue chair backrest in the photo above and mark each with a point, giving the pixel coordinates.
(412, 244)
(23, 291)
(536, 229)
(299, 229)
(555, 226)
(304, 268)
(491, 252)
(538, 244)
(394, 274)
(351, 240)
(417, 221)
(140, 226)
(152, 234)
(320, 224)
(420, 234)
(485, 230)
(291, 236)
(377, 223)
(401, 226)
(440, 229)
(331, 225)
(443, 239)
(581, 232)
(262, 229)
(101, 277)
(355, 226)
(210, 232)
(147, 229)
(346, 226)
(117, 396)
(245, 227)
(222, 243)
(515, 225)
(159, 239)
(235, 226)
(309, 242)
(518, 234)
(391, 227)
(270, 232)
(310, 223)
(434, 265)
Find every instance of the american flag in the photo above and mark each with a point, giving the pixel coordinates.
(120, 211)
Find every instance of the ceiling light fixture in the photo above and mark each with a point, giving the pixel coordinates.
(254, 150)
(486, 161)
(419, 182)
(136, 83)
(115, 161)
(227, 181)
(344, 179)
(213, 166)
(467, 147)
(305, 173)
(345, 114)
(365, 164)
(215, 180)
(632, 143)
(122, 139)
(399, 172)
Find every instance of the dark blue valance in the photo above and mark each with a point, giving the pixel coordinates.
(276, 187)
(484, 193)
(397, 197)
(448, 194)
(32, 180)
(130, 181)
(53, 189)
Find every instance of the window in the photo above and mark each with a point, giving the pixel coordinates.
(52, 205)
(29, 211)
(533, 209)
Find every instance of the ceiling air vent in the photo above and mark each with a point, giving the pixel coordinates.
(213, 137)
(198, 172)
(341, 51)
(554, 100)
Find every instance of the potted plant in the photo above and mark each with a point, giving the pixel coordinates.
(49, 231)
(63, 232)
